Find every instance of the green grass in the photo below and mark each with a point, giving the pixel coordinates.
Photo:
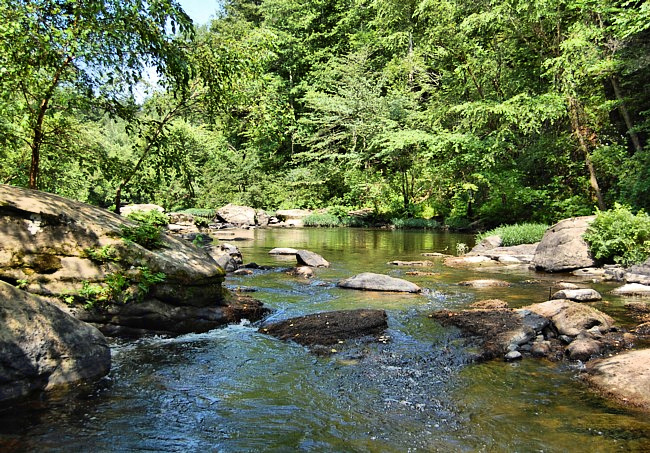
(321, 220)
(415, 223)
(524, 233)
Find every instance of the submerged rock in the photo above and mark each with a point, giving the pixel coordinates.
(562, 248)
(301, 271)
(624, 377)
(307, 258)
(42, 347)
(329, 328)
(411, 263)
(485, 283)
(497, 331)
(379, 282)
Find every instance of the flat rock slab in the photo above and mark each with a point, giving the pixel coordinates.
(283, 251)
(469, 261)
(485, 283)
(307, 258)
(411, 263)
(624, 377)
(379, 282)
(571, 318)
(633, 289)
(330, 327)
(578, 295)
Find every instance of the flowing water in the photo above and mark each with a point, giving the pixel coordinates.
(236, 390)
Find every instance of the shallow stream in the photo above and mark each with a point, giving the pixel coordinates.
(236, 390)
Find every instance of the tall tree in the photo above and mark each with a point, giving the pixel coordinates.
(100, 48)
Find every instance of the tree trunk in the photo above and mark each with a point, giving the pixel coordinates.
(626, 116)
(579, 132)
(37, 139)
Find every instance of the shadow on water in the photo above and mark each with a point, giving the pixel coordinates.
(234, 389)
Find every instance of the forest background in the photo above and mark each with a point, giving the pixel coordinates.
(498, 111)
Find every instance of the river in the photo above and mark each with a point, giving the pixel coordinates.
(236, 390)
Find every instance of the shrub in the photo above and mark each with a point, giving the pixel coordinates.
(415, 223)
(199, 212)
(147, 232)
(524, 233)
(321, 220)
(153, 217)
(103, 254)
(619, 236)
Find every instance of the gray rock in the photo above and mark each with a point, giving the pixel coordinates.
(486, 244)
(583, 348)
(283, 251)
(379, 282)
(570, 318)
(632, 289)
(578, 295)
(639, 273)
(541, 348)
(262, 218)
(42, 347)
(237, 215)
(562, 248)
(307, 258)
(50, 242)
(512, 356)
(624, 377)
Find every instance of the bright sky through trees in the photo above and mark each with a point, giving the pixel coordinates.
(200, 10)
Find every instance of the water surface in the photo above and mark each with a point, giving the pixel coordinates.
(233, 389)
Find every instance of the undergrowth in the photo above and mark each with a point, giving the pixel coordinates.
(523, 233)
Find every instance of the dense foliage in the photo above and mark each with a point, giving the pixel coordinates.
(429, 109)
(620, 236)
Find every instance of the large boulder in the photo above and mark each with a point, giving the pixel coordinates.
(562, 248)
(330, 327)
(237, 215)
(378, 282)
(42, 347)
(624, 377)
(571, 318)
(53, 246)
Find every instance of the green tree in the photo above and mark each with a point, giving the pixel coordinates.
(98, 48)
